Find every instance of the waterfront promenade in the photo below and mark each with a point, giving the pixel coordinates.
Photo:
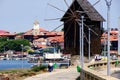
(58, 74)
(72, 74)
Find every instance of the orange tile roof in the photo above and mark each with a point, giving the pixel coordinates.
(113, 36)
(56, 39)
(43, 30)
(51, 33)
(40, 39)
(5, 33)
(55, 33)
(29, 32)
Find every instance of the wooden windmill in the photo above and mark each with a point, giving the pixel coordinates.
(71, 21)
(71, 27)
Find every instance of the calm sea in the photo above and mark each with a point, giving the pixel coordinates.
(10, 64)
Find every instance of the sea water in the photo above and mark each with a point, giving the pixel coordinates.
(12, 64)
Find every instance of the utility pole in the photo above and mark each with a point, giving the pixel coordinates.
(104, 44)
(108, 3)
(119, 36)
(89, 43)
(82, 40)
(82, 47)
(80, 44)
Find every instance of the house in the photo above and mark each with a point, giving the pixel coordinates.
(50, 41)
(4, 33)
(38, 32)
(72, 19)
(113, 40)
(40, 43)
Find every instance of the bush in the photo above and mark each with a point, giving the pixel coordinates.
(38, 68)
(27, 74)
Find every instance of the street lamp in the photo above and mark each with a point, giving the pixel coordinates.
(108, 3)
(89, 43)
(119, 37)
(82, 42)
(22, 54)
(105, 44)
(82, 45)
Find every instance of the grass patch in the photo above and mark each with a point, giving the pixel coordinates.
(14, 71)
(39, 68)
(20, 74)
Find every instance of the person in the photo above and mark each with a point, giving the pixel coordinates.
(50, 67)
(116, 62)
(78, 68)
(96, 58)
(54, 65)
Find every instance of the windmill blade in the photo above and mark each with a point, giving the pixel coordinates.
(57, 18)
(75, 34)
(52, 19)
(96, 2)
(86, 38)
(73, 5)
(69, 7)
(84, 35)
(56, 7)
(93, 32)
(62, 24)
(57, 27)
(68, 28)
(88, 27)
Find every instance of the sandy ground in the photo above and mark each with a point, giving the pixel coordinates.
(58, 74)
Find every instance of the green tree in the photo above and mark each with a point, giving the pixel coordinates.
(2, 39)
(13, 44)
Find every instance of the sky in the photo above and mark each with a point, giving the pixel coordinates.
(19, 15)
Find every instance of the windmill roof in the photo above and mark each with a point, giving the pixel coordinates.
(92, 13)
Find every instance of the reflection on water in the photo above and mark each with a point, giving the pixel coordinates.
(116, 75)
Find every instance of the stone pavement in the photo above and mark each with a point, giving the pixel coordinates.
(58, 74)
(112, 70)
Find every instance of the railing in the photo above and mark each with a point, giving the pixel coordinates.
(90, 73)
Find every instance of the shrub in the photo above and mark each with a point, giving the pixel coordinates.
(38, 68)
(27, 74)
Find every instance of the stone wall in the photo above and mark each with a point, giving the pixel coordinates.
(90, 73)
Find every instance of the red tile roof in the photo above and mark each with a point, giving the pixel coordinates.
(5, 33)
(40, 39)
(56, 39)
(113, 36)
(30, 32)
(55, 33)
